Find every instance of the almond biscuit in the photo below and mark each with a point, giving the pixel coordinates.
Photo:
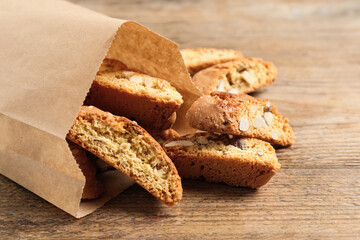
(240, 115)
(129, 148)
(240, 76)
(234, 160)
(93, 188)
(150, 101)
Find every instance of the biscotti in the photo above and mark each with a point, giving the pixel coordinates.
(240, 76)
(240, 115)
(150, 101)
(236, 161)
(93, 188)
(201, 58)
(129, 148)
(112, 65)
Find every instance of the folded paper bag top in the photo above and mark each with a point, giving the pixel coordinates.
(50, 53)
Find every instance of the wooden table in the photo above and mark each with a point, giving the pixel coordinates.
(316, 193)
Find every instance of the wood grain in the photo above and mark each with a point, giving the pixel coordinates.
(316, 193)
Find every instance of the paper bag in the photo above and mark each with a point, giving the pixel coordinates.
(50, 53)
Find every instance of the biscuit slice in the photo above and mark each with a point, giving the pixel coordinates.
(236, 161)
(197, 59)
(150, 101)
(240, 76)
(129, 148)
(112, 65)
(93, 188)
(240, 115)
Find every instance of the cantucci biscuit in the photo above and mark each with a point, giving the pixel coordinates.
(240, 115)
(93, 188)
(200, 58)
(150, 101)
(240, 76)
(129, 148)
(236, 161)
(112, 65)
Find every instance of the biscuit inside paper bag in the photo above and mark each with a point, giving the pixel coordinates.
(50, 53)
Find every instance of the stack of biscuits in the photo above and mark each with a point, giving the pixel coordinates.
(236, 132)
(126, 119)
(110, 130)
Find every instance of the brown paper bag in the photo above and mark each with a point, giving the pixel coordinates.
(50, 53)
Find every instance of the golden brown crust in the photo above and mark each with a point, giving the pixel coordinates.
(239, 76)
(240, 115)
(201, 58)
(126, 93)
(93, 188)
(219, 158)
(128, 148)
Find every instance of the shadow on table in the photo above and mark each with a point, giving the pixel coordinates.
(220, 190)
(259, 93)
(30, 214)
(138, 203)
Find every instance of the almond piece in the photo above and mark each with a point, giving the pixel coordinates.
(268, 107)
(221, 86)
(244, 125)
(259, 122)
(179, 143)
(202, 140)
(248, 77)
(260, 153)
(136, 79)
(240, 143)
(148, 82)
(268, 116)
(274, 135)
(234, 91)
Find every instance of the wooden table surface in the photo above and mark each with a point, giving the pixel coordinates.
(316, 193)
